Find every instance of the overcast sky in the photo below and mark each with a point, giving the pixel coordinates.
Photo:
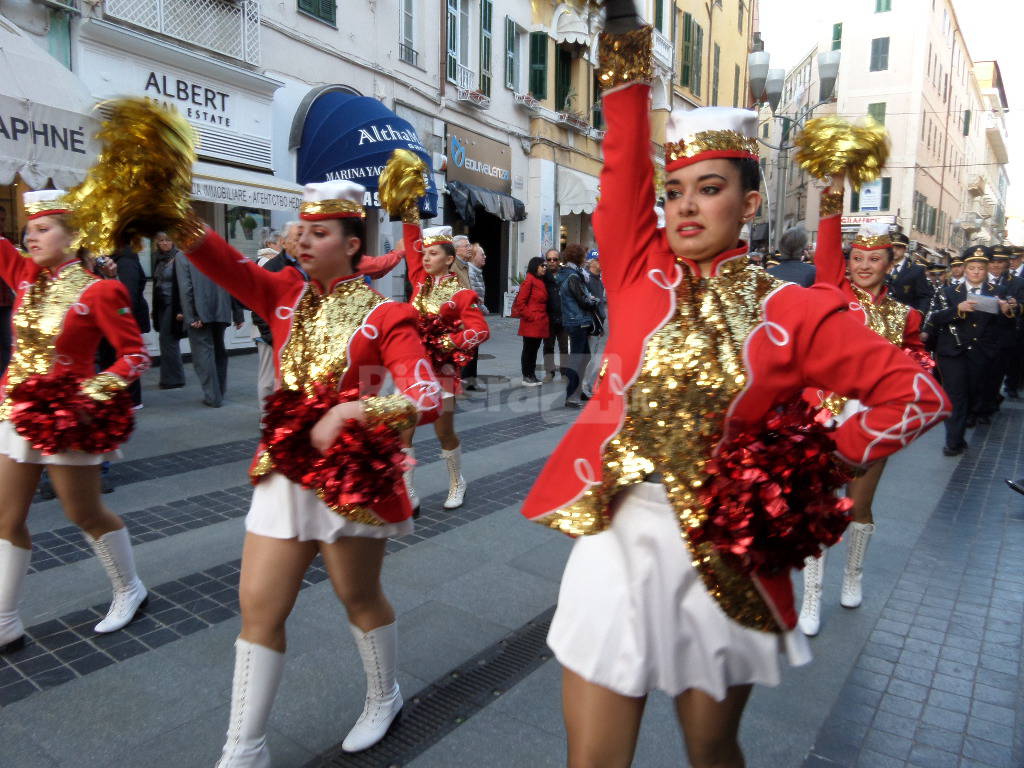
(991, 29)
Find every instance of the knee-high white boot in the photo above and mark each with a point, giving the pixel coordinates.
(858, 535)
(13, 567)
(379, 651)
(456, 482)
(810, 610)
(257, 675)
(410, 489)
(114, 551)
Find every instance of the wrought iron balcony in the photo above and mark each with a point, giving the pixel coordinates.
(465, 81)
(408, 54)
(228, 27)
(527, 102)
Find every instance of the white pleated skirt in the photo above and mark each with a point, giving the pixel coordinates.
(282, 509)
(634, 616)
(18, 448)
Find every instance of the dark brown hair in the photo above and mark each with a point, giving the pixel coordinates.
(575, 253)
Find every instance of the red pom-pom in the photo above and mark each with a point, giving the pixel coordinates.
(770, 496)
(288, 419)
(921, 358)
(54, 415)
(433, 330)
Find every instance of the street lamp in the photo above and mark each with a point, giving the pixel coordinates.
(768, 84)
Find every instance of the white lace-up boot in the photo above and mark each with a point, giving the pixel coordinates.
(410, 489)
(257, 675)
(456, 482)
(379, 651)
(13, 567)
(858, 536)
(810, 610)
(114, 551)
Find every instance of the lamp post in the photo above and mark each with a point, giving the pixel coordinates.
(767, 85)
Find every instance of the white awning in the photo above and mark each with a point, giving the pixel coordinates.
(236, 186)
(567, 26)
(46, 130)
(577, 192)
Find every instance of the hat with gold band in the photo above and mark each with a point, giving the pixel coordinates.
(708, 133)
(1000, 253)
(332, 200)
(873, 236)
(977, 253)
(45, 202)
(435, 235)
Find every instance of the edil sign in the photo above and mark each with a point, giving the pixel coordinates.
(478, 160)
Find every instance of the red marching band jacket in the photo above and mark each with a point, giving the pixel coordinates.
(346, 334)
(59, 317)
(655, 409)
(457, 307)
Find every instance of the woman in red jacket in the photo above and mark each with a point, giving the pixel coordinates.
(453, 326)
(680, 579)
(61, 312)
(531, 307)
(863, 284)
(332, 336)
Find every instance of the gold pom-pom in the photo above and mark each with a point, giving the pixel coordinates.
(831, 145)
(141, 182)
(402, 183)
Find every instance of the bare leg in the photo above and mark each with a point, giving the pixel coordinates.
(711, 728)
(78, 489)
(862, 491)
(18, 482)
(601, 725)
(353, 564)
(444, 427)
(272, 571)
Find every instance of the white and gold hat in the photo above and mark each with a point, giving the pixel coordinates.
(435, 235)
(45, 202)
(332, 200)
(873, 236)
(708, 133)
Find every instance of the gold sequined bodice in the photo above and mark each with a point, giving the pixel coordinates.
(692, 371)
(39, 321)
(436, 293)
(323, 324)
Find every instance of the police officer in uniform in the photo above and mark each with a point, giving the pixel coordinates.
(1012, 343)
(908, 282)
(966, 347)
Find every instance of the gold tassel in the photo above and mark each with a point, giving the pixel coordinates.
(402, 183)
(141, 182)
(831, 145)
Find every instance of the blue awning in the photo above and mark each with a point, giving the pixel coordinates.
(350, 137)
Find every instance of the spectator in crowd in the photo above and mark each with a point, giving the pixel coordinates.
(595, 285)
(791, 268)
(124, 266)
(167, 316)
(578, 306)
(552, 263)
(475, 267)
(208, 310)
(531, 307)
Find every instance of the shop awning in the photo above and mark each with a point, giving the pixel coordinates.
(468, 197)
(252, 189)
(350, 137)
(46, 131)
(568, 26)
(577, 192)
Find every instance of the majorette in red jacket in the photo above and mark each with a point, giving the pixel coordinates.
(690, 361)
(458, 307)
(345, 333)
(60, 316)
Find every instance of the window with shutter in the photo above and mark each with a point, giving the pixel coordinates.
(880, 54)
(716, 58)
(452, 58)
(698, 58)
(539, 65)
(881, 6)
(486, 41)
(659, 14)
(877, 112)
(686, 70)
(325, 10)
(854, 201)
(511, 54)
(886, 193)
(967, 122)
(563, 78)
(837, 36)
(736, 86)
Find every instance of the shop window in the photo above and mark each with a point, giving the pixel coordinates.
(877, 112)
(486, 40)
(511, 54)
(325, 10)
(539, 65)
(837, 36)
(880, 54)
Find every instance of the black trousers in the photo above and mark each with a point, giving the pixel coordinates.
(6, 341)
(528, 360)
(965, 379)
(562, 338)
(579, 359)
(1015, 365)
(469, 369)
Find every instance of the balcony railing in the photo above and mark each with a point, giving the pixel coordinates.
(408, 54)
(526, 101)
(465, 81)
(663, 51)
(228, 27)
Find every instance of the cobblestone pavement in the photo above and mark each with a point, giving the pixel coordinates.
(926, 673)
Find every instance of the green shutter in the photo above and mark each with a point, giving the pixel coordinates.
(687, 68)
(882, 6)
(539, 65)
(837, 36)
(877, 112)
(967, 122)
(854, 201)
(736, 86)
(698, 58)
(886, 192)
(659, 12)
(486, 40)
(452, 58)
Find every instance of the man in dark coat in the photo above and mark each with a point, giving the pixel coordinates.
(908, 282)
(124, 266)
(791, 250)
(552, 263)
